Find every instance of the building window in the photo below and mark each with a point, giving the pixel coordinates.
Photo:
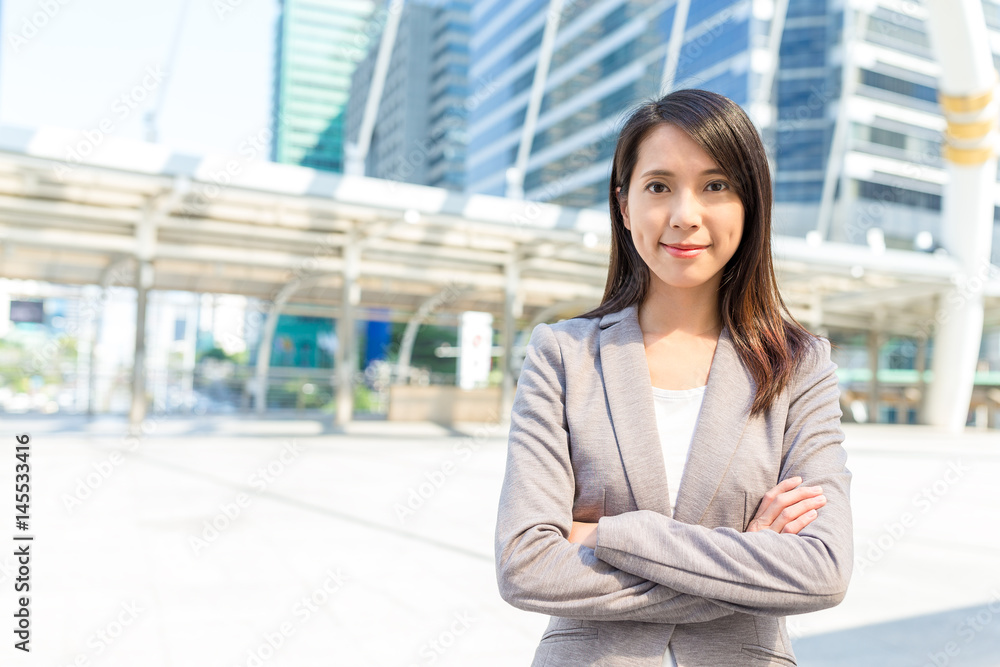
(888, 138)
(899, 86)
(798, 191)
(898, 195)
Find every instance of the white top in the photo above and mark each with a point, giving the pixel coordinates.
(676, 416)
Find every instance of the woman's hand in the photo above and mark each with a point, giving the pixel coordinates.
(584, 533)
(787, 509)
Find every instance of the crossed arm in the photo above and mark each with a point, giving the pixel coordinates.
(648, 567)
(786, 508)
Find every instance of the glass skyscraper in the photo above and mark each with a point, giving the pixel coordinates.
(608, 55)
(860, 124)
(420, 132)
(319, 43)
(851, 120)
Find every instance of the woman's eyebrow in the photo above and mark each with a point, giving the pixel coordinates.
(665, 172)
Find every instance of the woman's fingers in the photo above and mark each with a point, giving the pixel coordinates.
(771, 510)
(774, 492)
(786, 507)
(782, 486)
(796, 525)
(794, 513)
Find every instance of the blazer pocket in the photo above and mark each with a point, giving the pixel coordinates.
(569, 634)
(768, 654)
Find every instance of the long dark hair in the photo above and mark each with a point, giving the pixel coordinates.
(750, 304)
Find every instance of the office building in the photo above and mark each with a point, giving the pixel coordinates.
(319, 43)
(419, 133)
(851, 117)
(860, 127)
(607, 57)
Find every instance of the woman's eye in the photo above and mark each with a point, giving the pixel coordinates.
(651, 187)
(722, 186)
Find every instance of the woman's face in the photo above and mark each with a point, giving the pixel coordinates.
(679, 195)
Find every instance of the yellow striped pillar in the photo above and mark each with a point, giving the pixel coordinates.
(968, 87)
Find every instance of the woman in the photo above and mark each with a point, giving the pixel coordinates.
(675, 480)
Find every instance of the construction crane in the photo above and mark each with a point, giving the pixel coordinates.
(152, 116)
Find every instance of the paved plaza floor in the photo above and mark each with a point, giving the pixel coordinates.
(238, 541)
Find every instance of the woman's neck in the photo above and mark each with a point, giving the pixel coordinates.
(688, 312)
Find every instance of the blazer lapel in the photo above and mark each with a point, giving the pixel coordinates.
(629, 392)
(724, 413)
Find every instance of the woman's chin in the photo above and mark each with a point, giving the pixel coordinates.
(682, 281)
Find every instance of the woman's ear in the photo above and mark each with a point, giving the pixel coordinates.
(623, 206)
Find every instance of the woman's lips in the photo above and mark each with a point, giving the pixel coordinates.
(678, 252)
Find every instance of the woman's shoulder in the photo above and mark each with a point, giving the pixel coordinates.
(574, 328)
(814, 361)
(570, 337)
(816, 351)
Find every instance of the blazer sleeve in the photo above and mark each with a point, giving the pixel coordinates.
(537, 568)
(762, 572)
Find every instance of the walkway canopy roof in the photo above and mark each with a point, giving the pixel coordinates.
(73, 207)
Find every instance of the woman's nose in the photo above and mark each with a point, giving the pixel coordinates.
(686, 210)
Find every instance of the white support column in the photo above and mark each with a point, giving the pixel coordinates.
(512, 310)
(86, 341)
(874, 388)
(143, 281)
(190, 354)
(515, 175)
(112, 274)
(264, 352)
(145, 252)
(347, 345)
(921, 381)
(967, 94)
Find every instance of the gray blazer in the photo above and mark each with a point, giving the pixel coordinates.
(584, 446)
